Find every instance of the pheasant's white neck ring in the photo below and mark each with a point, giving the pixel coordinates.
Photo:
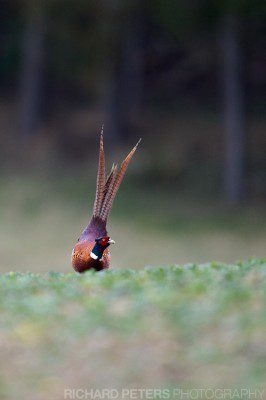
(94, 256)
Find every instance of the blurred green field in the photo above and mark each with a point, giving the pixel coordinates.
(191, 326)
(166, 325)
(42, 217)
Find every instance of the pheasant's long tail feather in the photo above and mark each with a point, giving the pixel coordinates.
(113, 183)
(100, 186)
(109, 180)
(109, 189)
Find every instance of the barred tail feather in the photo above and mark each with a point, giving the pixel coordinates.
(100, 186)
(109, 180)
(108, 192)
(114, 183)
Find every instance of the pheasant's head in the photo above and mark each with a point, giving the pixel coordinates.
(104, 241)
(101, 244)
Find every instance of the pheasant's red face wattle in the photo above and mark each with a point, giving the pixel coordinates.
(104, 241)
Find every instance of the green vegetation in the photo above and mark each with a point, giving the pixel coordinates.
(189, 326)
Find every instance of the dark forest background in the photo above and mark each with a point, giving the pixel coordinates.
(189, 77)
(139, 67)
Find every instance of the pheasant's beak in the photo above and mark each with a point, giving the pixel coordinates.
(111, 241)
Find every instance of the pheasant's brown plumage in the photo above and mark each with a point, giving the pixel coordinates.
(116, 180)
(100, 180)
(83, 257)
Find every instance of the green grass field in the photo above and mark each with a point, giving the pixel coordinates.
(190, 326)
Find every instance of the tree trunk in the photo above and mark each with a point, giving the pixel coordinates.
(124, 92)
(233, 111)
(31, 68)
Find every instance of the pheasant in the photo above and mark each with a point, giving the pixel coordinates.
(91, 251)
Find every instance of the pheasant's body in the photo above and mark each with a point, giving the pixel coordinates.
(82, 261)
(91, 250)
